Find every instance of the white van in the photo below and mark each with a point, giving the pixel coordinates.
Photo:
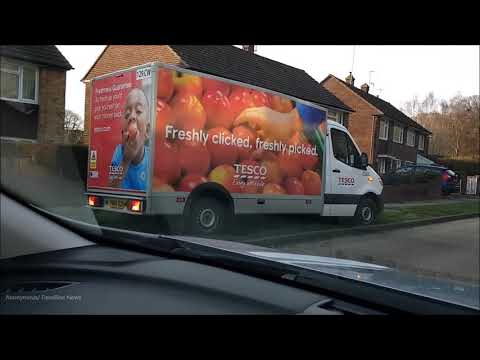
(171, 141)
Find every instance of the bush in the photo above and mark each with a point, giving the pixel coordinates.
(425, 190)
(414, 178)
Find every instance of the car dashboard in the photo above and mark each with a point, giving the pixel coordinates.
(105, 280)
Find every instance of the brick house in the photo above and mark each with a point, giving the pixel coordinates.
(224, 61)
(32, 94)
(388, 136)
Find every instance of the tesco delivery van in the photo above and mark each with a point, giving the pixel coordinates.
(170, 141)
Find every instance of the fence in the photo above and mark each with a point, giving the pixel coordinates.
(414, 191)
(30, 159)
(473, 185)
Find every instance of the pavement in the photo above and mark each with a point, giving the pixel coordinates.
(448, 250)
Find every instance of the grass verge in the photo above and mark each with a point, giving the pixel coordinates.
(428, 211)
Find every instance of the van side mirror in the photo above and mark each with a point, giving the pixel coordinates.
(364, 161)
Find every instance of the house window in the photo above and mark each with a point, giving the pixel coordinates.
(18, 81)
(410, 138)
(383, 135)
(396, 164)
(398, 134)
(382, 165)
(335, 116)
(421, 142)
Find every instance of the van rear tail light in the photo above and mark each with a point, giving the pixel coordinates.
(94, 201)
(135, 205)
(445, 176)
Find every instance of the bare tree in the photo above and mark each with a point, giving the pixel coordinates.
(416, 106)
(464, 120)
(73, 127)
(429, 104)
(411, 108)
(454, 124)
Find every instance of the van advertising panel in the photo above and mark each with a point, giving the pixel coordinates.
(120, 132)
(248, 141)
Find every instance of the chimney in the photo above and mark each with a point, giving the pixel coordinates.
(350, 80)
(249, 48)
(365, 87)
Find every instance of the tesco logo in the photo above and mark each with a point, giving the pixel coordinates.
(257, 170)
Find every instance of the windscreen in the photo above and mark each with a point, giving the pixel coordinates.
(378, 166)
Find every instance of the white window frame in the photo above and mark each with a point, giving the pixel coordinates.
(384, 124)
(412, 138)
(395, 139)
(336, 116)
(382, 162)
(21, 65)
(421, 142)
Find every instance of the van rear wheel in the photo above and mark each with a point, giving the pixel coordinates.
(366, 213)
(208, 216)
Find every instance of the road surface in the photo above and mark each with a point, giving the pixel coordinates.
(448, 249)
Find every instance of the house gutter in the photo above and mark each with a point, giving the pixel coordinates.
(373, 148)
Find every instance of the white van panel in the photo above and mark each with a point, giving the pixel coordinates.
(275, 205)
(339, 209)
(167, 204)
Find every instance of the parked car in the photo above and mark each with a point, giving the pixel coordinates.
(410, 174)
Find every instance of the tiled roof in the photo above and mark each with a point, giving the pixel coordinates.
(240, 65)
(38, 54)
(224, 61)
(384, 106)
(117, 57)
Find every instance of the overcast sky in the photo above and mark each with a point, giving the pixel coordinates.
(400, 72)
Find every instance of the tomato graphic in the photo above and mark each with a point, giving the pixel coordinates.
(218, 109)
(190, 182)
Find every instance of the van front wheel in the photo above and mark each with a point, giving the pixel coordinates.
(366, 213)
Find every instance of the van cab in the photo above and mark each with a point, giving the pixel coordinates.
(353, 188)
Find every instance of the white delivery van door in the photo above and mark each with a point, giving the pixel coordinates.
(346, 178)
